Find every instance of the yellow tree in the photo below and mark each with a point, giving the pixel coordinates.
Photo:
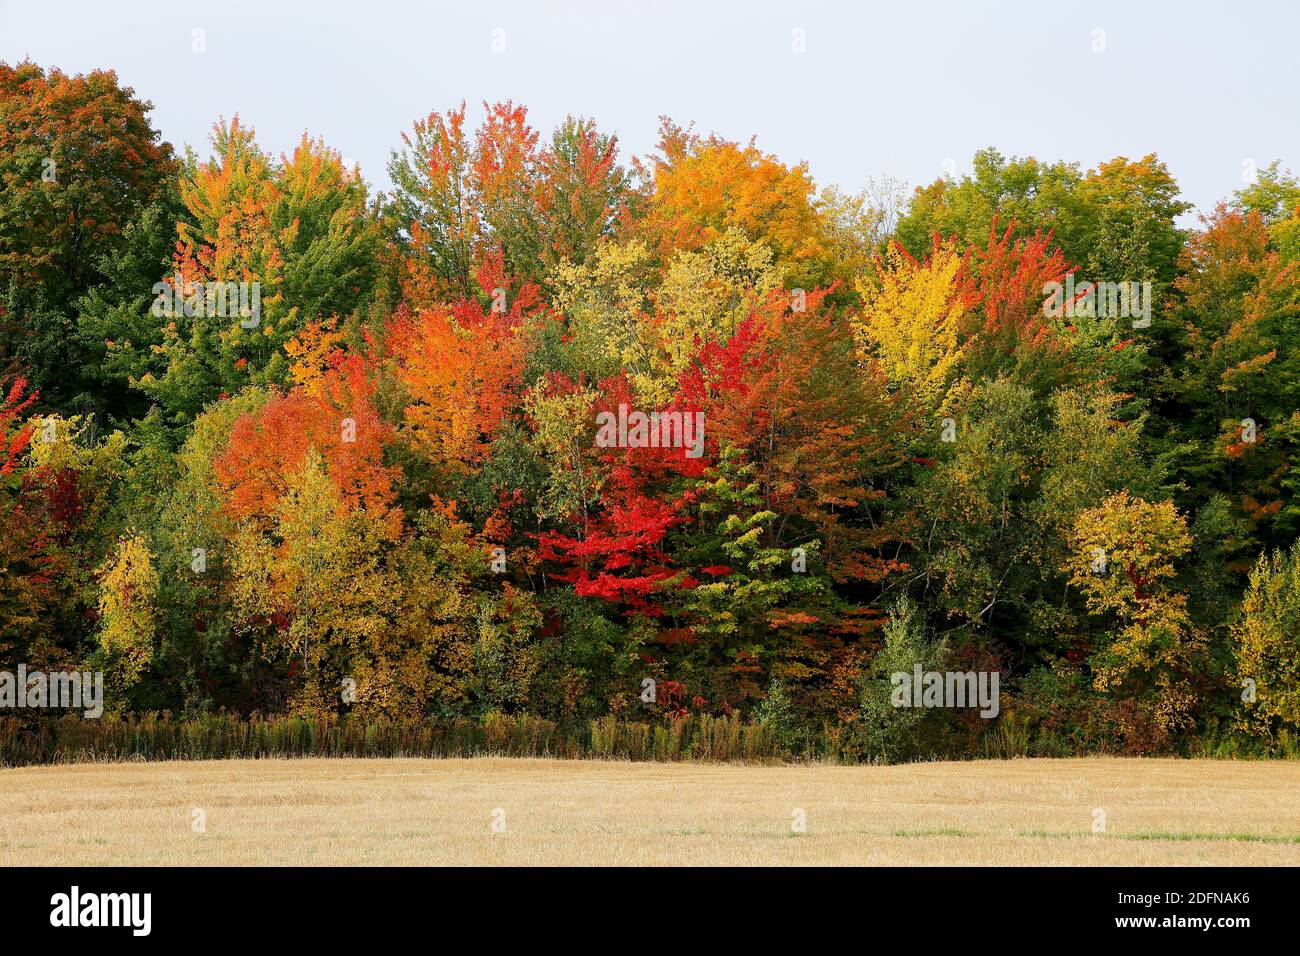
(625, 316)
(704, 187)
(606, 303)
(911, 322)
(1123, 556)
(311, 352)
(561, 415)
(128, 612)
(315, 584)
(704, 297)
(1267, 638)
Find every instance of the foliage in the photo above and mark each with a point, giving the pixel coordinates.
(389, 511)
(889, 732)
(1266, 639)
(79, 162)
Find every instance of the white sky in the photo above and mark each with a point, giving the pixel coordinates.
(883, 88)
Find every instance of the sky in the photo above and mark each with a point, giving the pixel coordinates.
(857, 90)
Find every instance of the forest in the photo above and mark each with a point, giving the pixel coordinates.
(547, 433)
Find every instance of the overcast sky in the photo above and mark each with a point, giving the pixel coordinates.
(881, 88)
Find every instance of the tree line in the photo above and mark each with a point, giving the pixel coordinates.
(373, 488)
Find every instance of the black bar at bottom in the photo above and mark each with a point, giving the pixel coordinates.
(335, 906)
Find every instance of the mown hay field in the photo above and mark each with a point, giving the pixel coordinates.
(513, 811)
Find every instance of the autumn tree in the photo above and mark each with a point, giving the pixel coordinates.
(583, 194)
(61, 520)
(291, 241)
(1124, 559)
(911, 323)
(700, 187)
(1115, 222)
(1265, 640)
(1275, 195)
(461, 196)
(461, 368)
(79, 162)
(268, 446)
(128, 614)
(1227, 400)
(20, 596)
(310, 586)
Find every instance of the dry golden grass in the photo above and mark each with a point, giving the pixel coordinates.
(356, 812)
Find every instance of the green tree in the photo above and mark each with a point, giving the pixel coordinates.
(889, 732)
(79, 161)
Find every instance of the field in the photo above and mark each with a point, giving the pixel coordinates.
(504, 811)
